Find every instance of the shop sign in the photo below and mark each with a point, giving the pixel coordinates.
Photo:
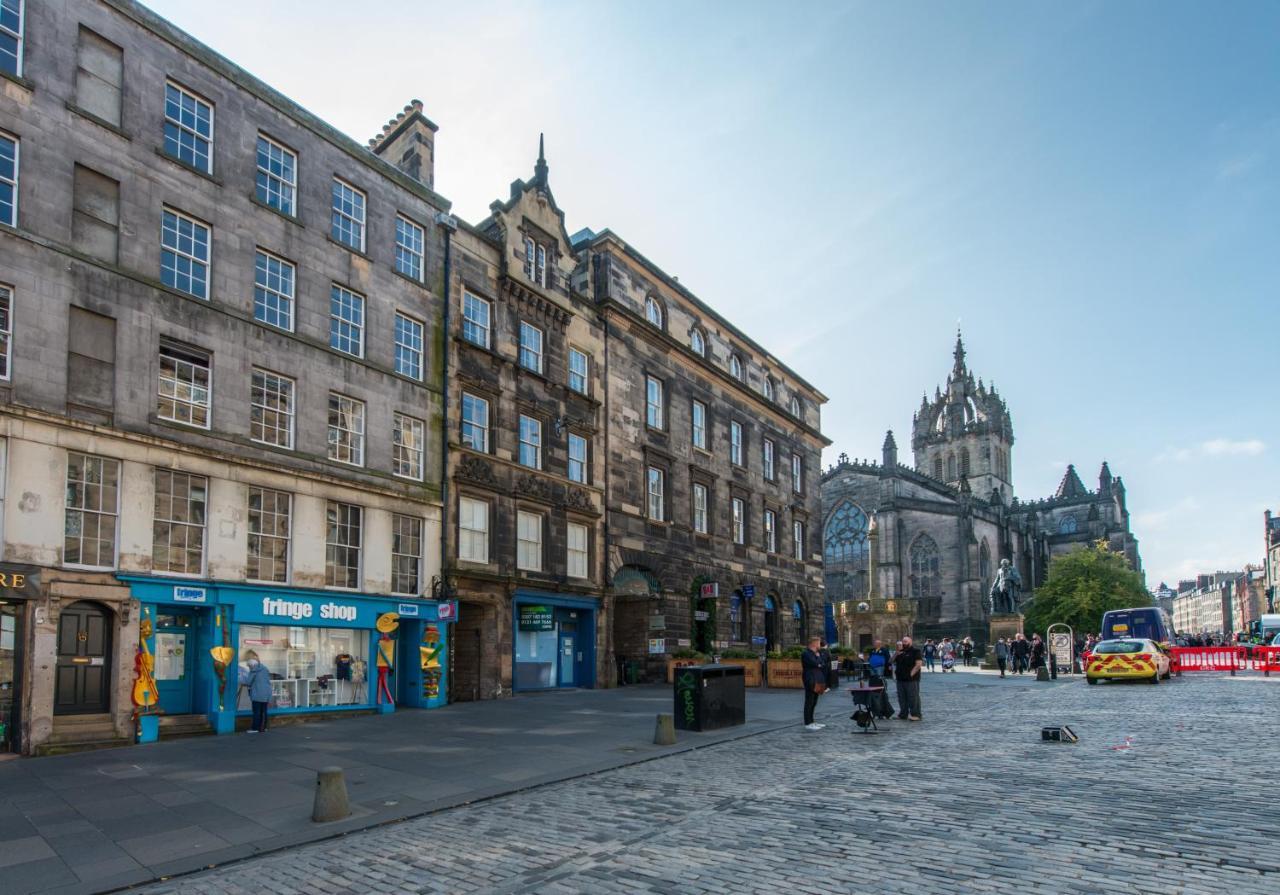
(408, 610)
(683, 641)
(16, 581)
(701, 615)
(190, 595)
(447, 611)
(537, 618)
(298, 610)
(657, 623)
(657, 647)
(748, 591)
(711, 590)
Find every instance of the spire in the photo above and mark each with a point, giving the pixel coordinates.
(1071, 486)
(890, 451)
(958, 370)
(1104, 478)
(540, 168)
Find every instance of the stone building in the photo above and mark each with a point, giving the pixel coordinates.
(220, 385)
(1207, 604)
(1271, 560)
(945, 524)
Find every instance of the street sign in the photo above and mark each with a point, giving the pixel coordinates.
(758, 640)
(749, 591)
(701, 615)
(1061, 648)
(711, 590)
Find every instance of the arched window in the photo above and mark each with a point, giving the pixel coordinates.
(698, 342)
(653, 311)
(794, 406)
(735, 366)
(1068, 525)
(951, 467)
(984, 565)
(845, 537)
(937, 468)
(768, 388)
(964, 461)
(926, 579)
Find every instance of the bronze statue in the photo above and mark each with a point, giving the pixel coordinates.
(1006, 589)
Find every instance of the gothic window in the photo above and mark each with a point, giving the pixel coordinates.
(926, 579)
(937, 468)
(1067, 525)
(986, 459)
(951, 467)
(984, 564)
(845, 538)
(964, 461)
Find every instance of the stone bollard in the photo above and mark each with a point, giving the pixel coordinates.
(331, 796)
(664, 733)
(1042, 673)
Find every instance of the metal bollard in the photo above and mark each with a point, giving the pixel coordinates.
(664, 732)
(331, 796)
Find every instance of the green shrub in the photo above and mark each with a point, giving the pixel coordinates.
(738, 652)
(686, 653)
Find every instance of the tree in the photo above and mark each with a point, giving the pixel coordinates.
(1081, 586)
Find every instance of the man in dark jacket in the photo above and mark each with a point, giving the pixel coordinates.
(907, 663)
(815, 677)
(1021, 653)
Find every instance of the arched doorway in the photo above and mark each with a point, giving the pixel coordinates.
(84, 660)
(770, 624)
(801, 620)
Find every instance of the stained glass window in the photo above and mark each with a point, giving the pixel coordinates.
(845, 538)
(925, 576)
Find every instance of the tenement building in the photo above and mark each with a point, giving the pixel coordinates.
(916, 548)
(220, 386)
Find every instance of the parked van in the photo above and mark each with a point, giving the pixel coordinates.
(1144, 623)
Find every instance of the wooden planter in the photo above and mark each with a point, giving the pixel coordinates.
(673, 664)
(786, 674)
(750, 670)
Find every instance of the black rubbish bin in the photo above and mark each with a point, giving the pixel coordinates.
(709, 697)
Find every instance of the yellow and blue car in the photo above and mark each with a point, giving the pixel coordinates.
(1128, 658)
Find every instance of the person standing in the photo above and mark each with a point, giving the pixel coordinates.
(1021, 651)
(1038, 652)
(815, 680)
(879, 667)
(1002, 655)
(930, 653)
(833, 668)
(967, 649)
(948, 653)
(255, 676)
(906, 674)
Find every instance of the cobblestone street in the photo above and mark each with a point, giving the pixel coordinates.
(1152, 799)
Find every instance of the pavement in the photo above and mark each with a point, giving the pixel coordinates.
(98, 821)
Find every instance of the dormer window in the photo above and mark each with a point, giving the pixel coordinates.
(735, 366)
(794, 406)
(698, 342)
(653, 311)
(768, 388)
(535, 262)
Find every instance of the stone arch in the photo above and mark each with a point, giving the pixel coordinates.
(951, 467)
(926, 568)
(636, 581)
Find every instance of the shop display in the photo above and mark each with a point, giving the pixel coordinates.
(145, 693)
(388, 623)
(430, 653)
(300, 659)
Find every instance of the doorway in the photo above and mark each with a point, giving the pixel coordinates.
(10, 676)
(704, 625)
(770, 624)
(568, 655)
(174, 655)
(84, 660)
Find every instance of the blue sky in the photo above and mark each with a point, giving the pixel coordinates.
(1092, 189)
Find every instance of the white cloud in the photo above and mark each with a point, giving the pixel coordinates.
(1215, 447)
(1155, 520)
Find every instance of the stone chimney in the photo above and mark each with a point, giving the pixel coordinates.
(408, 141)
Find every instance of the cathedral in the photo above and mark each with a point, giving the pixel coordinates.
(915, 548)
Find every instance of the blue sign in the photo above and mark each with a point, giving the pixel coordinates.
(190, 595)
(768, 604)
(748, 591)
(408, 610)
(757, 640)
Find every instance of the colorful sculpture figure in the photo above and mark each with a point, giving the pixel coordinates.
(430, 651)
(222, 657)
(145, 695)
(388, 623)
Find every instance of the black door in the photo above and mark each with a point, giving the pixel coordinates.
(84, 660)
(10, 675)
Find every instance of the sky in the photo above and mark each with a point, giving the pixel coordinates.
(1090, 190)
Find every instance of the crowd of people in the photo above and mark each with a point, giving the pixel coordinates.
(902, 665)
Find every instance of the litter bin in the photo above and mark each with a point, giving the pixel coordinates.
(709, 697)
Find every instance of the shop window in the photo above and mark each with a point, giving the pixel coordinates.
(406, 554)
(309, 667)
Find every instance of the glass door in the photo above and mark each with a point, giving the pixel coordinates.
(10, 669)
(568, 658)
(175, 641)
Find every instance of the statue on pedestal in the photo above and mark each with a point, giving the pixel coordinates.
(1006, 589)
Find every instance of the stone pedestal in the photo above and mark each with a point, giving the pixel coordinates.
(1003, 624)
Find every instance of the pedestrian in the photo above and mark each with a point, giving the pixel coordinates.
(879, 666)
(255, 676)
(832, 667)
(815, 680)
(1037, 651)
(906, 674)
(967, 649)
(1002, 655)
(948, 653)
(930, 654)
(1021, 651)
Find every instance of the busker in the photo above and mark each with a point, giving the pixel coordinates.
(906, 674)
(815, 681)
(879, 663)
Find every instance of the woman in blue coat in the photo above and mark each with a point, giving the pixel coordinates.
(254, 675)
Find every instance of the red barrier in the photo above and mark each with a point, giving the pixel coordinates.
(1266, 659)
(1209, 658)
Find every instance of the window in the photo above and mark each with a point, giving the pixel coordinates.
(770, 531)
(735, 443)
(99, 73)
(653, 311)
(276, 182)
(346, 320)
(578, 368)
(273, 280)
(925, 576)
(407, 445)
(347, 222)
(657, 492)
(535, 262)
(540, 274)
(95, 214)
(8, 179)
(770, 472)
(475, 320)
(342, 545)
(271, 412)
(653, 402)
(528, 541)
(184, 254)
(185, 387)
(530, 442)
(797, 535)
(698, 430)
(410, 252)
(6, 330)
(739, 521)
(346, 429)
(735, 366)
(93, 498)
(11, 36)
(188, 128)
(794, 407)
(698, 342)
(406, 554)
(768, 389)
(475, 422)
(845, 538)
(408, 347)
(576, 556)
(797, 473)
(700, 507)
(530, 347)
(577, 458)
(937, 468)
(177, 535)
(1068, 525)
(473, 530)
(530, 248)
(964, 461)
(269, 526)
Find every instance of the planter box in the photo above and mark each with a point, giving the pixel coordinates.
(673, 664)
(750, 670)
(786, 674)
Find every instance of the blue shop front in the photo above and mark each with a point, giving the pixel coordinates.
(325, 651)
(555, 641)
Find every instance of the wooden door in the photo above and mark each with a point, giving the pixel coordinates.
(84, 660)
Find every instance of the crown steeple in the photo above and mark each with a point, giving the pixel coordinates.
(540, 167)
(958, 370)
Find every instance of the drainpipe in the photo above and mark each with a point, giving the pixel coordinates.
(448, 223)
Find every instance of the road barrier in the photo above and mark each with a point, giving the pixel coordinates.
(1265, 659)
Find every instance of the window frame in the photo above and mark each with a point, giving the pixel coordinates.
(199, 100)
(737, 369)
(659, 475)
(769, 459)
(698, 430)
(397, 426)
(797, 537)
(192, 353)
(738, 514)
(337, 215)
(583, 461)
(7, 302)
(737, 443)
(417, 521)
(334, 546)
(473, 501)
(418, 354)
(796, 408)
(536, 446)
(290, 413)
(585, 374)
(527, 352)
(540, 544)
(654, 312)
(288, 537)
(767, 388)
(263, 194)
(346, 297)
(177, 252)
(467, 321)
(465, 423)
(418, 254)
(203, 526)
(359, 433)
(290, 299)
(114, 513)
(655, 416)
(797, 473)
(569, 569)
(19, 38)
(701, 514)
(698, 341)
(17, 175)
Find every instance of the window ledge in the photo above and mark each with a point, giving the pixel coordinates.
(19, 80)
(293, 219)
(357, 252)
(408, 279)
(186, 167)
(100, 122)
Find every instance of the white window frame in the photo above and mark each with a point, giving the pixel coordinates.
(700, 507)
(654, 415)
(655, 490)
(416, 557)
(102, 511)
(577, 560)
(698, 342)
(402, 453)
(413, 350)
(797, 473)
(414, 251)
(19, 36)
(531, 357)
(529, 548)
(171, 522)
(6, 332)
(263, 285)
(17, 175)
(353, 410)
(471, 428)
(471, 536)
(797, 536)
(698, 424)
(540, 272)
(342, 298)
(581, 461)
(341, 221)
(529, 248)
(739, 509)
(184, 356)
(653, 312)
(736, 367)
(579, 359)
(186, 129)
(288, 411)
(264, 537)
(794, 406)
(771, 531)
(472, 301)
(276, 183)
(768, 457)
(533, 440)
(179, 253)
(735, 443)
(766, 388)
(334, 545)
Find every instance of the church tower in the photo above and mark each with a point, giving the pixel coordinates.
(965, 433)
